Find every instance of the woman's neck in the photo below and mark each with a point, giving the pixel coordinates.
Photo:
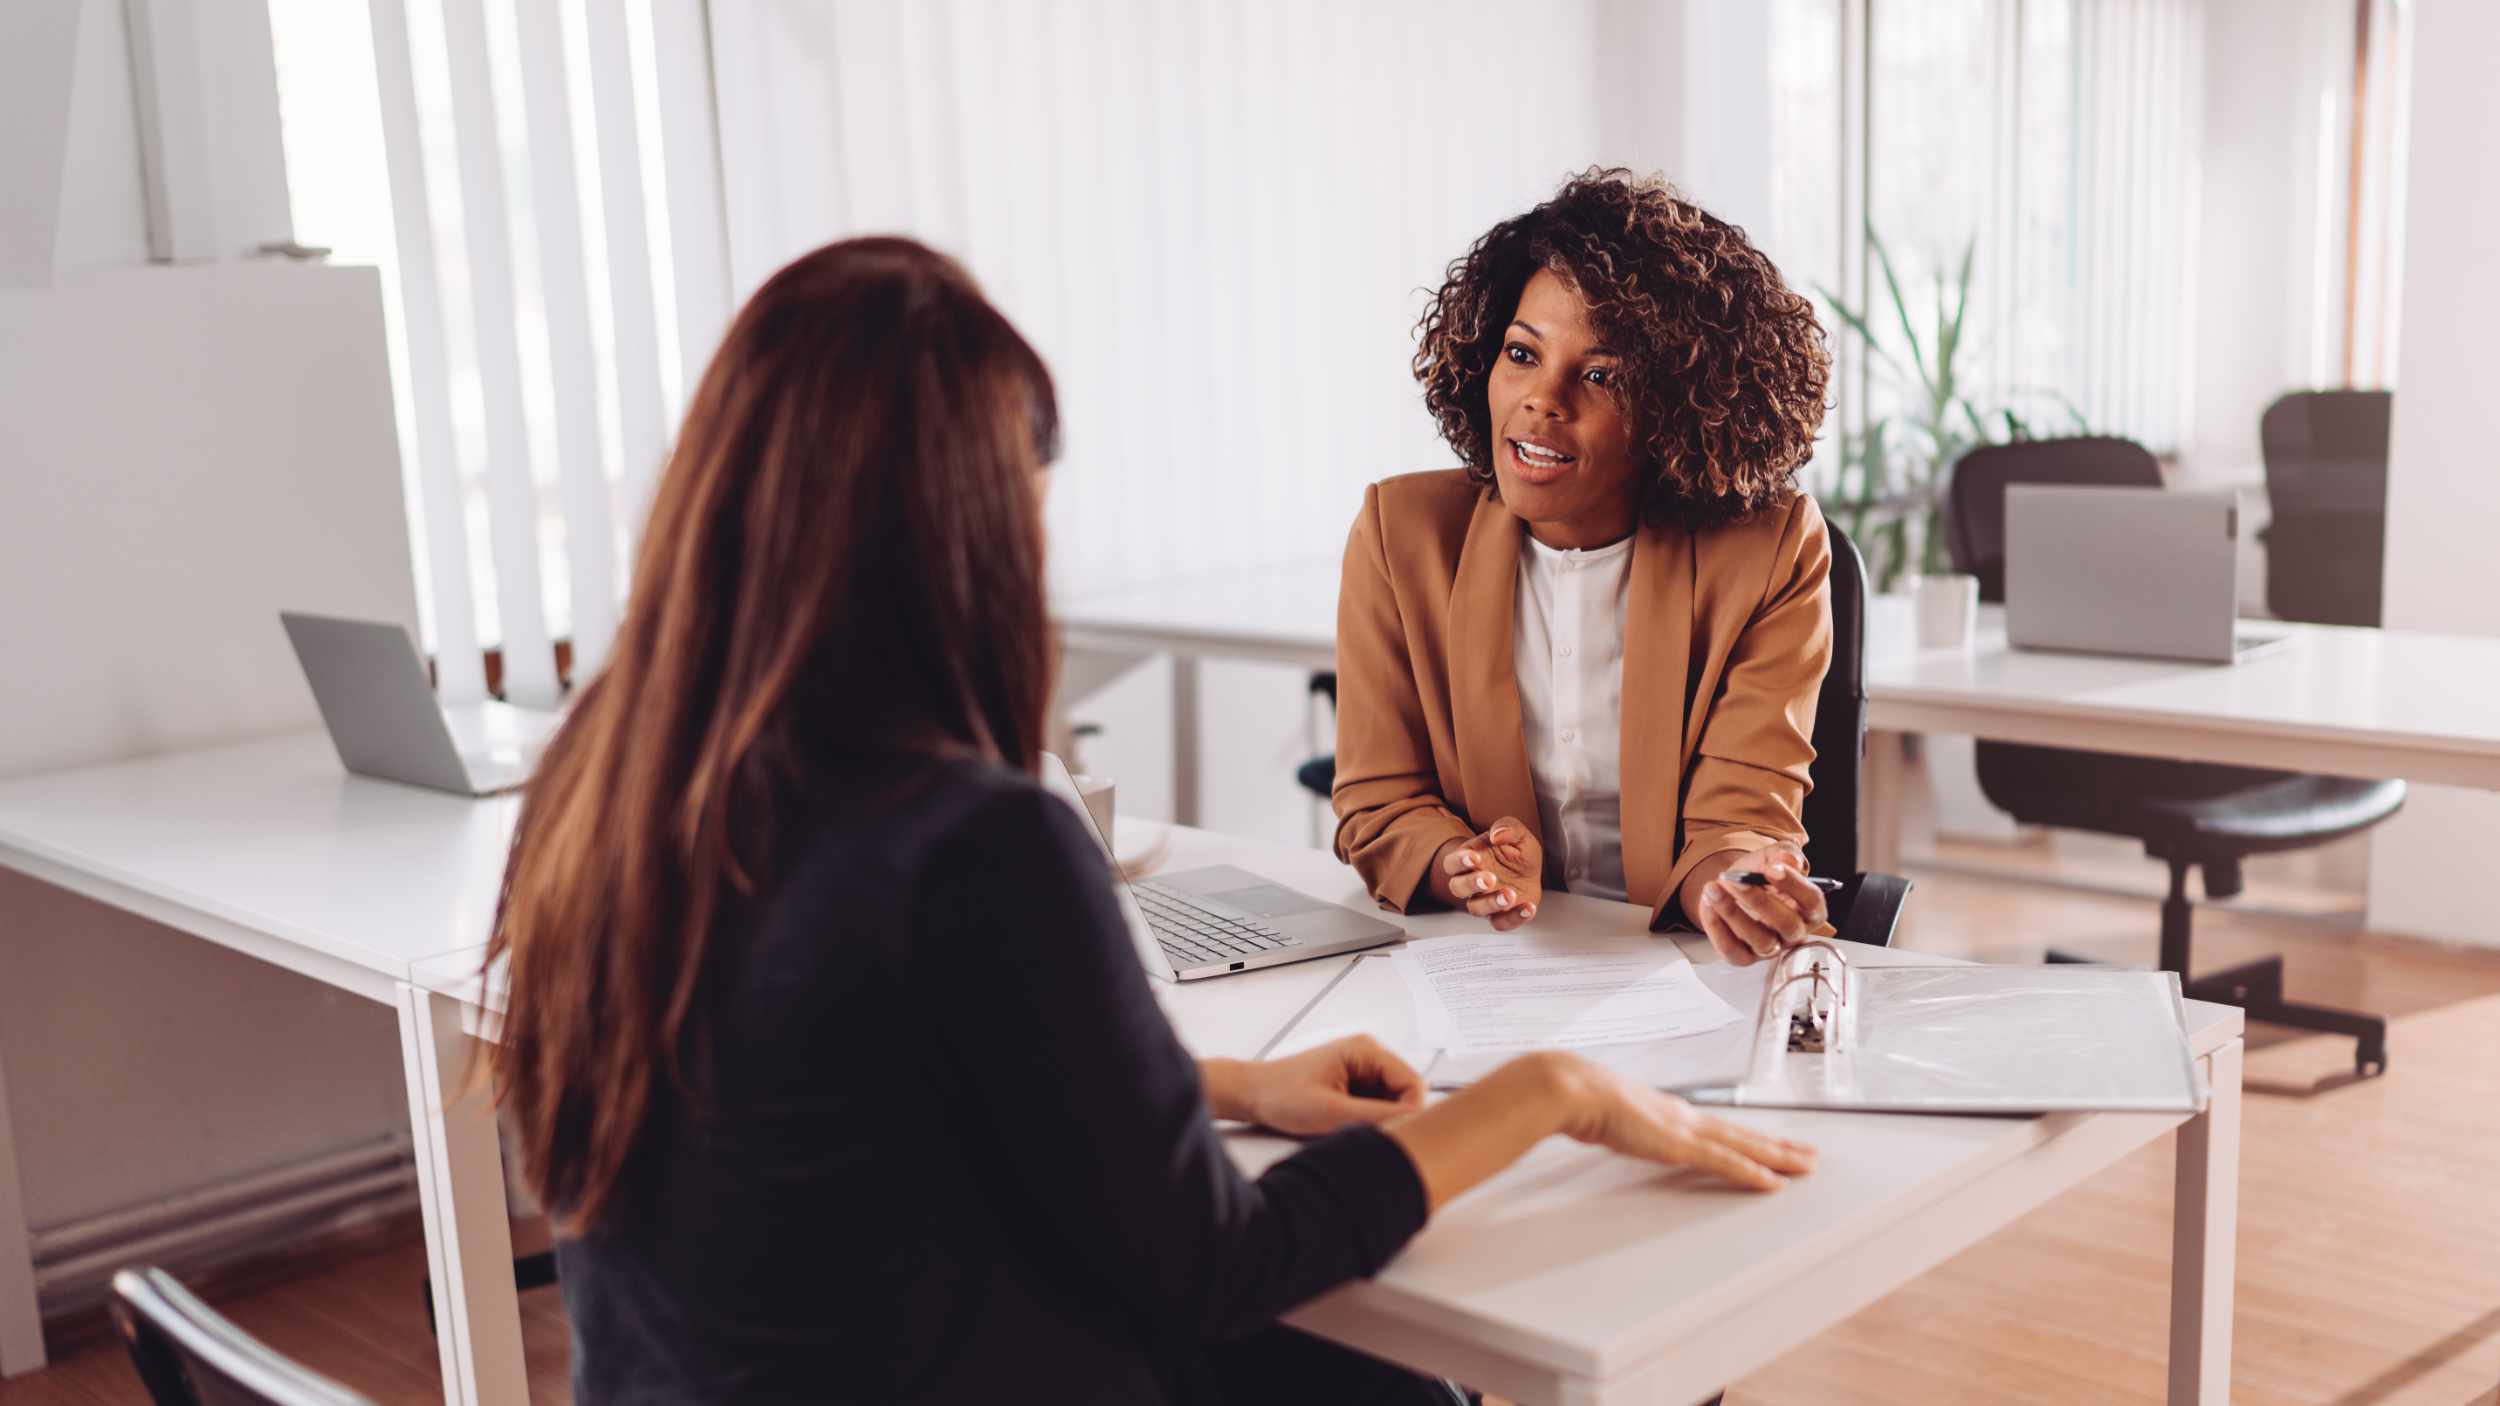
(1582, 535)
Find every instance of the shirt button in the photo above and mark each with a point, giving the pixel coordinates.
(1565, 651)
(1570, 734)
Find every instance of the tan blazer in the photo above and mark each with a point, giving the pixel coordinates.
(1727, 633)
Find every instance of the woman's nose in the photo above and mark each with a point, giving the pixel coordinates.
(1545, 396)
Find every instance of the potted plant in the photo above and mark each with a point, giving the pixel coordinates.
(1894, 468)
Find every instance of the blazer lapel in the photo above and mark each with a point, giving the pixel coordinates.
(1484, 677)
(1657, 656)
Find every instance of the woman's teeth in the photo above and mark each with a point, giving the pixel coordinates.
(1539, 456)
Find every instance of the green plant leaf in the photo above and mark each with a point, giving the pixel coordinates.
(1856, 322)
(1901, 309)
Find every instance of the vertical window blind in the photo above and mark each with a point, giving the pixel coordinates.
(1216, 222)
(556, 267)
(2053, 141)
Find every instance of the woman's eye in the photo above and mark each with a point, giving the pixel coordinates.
(1600, 375)
(1517, 355)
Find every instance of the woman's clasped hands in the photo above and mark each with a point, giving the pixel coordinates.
(1499, 874)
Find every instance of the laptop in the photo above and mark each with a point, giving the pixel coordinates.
(2147, 572)
(379, 706)
(1219, 920)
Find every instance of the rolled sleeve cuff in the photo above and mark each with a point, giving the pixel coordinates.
(1669, 914)
(1396, 865)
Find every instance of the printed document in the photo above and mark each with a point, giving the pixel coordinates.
(1494, 993)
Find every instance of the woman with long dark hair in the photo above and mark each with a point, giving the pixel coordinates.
(827, 1047)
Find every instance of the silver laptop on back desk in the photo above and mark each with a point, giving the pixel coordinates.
(2150, 572)
(383, 718)
(1219, 920)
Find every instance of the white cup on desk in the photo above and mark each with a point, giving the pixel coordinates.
(1948, 610)
(1097, 791)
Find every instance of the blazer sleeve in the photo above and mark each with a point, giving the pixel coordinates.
(1746, 788)
(1391, 817)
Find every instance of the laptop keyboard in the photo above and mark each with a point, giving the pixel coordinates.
(1192, 936)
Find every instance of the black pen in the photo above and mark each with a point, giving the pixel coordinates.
(1756, 879)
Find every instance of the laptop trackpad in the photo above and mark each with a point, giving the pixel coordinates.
(1241, 889)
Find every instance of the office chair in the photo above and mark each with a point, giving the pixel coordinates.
(2189, 815)
(1868, 907)
(1319, 775)
(2326, 482)
(187, 1354)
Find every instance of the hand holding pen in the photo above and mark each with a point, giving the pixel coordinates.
(1761, 905)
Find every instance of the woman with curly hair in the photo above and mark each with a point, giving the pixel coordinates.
(1588, 659)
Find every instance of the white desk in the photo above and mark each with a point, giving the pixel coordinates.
(270, 849)
(2349, 702)
(1581, 1278)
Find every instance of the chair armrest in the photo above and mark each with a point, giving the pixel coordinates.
(1873, 908)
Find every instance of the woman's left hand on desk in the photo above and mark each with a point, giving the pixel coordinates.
(1331, 1086)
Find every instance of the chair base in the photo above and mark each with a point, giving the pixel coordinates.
(2257, 988)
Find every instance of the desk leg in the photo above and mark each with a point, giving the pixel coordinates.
(2204, 1240)
(1185, 722)
(1883, 788)
(21, 1316)
(468, 1239)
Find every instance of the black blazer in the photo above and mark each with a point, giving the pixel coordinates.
(953, 1151)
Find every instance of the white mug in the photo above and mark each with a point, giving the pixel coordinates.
(1097, 792)
(1948, 611)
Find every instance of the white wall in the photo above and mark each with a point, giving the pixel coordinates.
(182, 450)
(104, 217)
(2443, 502)
(2267, 63)
(33, 132)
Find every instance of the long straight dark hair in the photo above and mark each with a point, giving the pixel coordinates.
(843, 560)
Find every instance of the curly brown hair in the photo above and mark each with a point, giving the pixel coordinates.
(1723, 366)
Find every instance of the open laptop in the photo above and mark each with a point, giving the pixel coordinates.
(1219, 920)
(2151, 572)
(382, 715)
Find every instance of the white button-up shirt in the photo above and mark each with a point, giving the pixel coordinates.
(1568, 644)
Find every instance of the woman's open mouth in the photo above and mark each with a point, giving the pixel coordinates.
(1538, 462)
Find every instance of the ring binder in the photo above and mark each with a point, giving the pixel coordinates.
(1881, 1035)
(1814, 1026)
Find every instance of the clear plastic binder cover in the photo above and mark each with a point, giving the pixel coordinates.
(1978, 1039)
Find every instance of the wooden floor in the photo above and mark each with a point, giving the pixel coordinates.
(2369, 1260)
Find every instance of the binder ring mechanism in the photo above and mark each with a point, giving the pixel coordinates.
(1814, 1014)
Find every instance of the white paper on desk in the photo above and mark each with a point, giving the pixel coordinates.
(1499, 993)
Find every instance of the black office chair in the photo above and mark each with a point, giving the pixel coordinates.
(1868, 907)
(1319, 775)
(187, 1354)
(2190, 815)
(2326, 486)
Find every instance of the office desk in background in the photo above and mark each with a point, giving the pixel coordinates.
(271, 850)
(1545, 1286)
(2337, 700)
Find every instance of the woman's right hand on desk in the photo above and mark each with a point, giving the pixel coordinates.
(1476, 1132)
(1499, 874)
